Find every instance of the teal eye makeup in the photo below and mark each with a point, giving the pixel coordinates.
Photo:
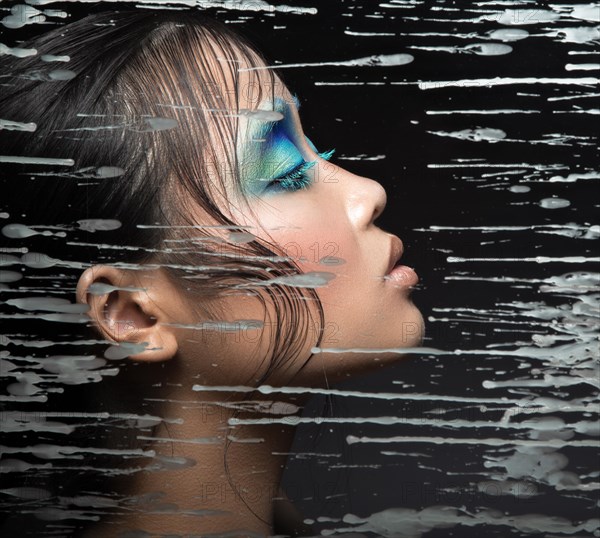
(271, 161)
(297, 178)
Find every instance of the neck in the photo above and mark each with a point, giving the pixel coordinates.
(214, 477)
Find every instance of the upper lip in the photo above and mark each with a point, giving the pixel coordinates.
(396, 250)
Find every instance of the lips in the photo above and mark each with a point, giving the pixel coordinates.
(398, 275)
(396, 251)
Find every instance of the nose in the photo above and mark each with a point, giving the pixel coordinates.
(365, 198)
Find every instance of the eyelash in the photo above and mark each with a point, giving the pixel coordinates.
(297, 178)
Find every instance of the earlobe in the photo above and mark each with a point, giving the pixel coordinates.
(125, 312)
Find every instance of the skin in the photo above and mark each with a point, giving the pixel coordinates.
(335, 216)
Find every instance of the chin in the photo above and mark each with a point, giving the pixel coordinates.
(411, 331)
(395, 326)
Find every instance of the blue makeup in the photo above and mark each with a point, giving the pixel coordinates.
(271, 161)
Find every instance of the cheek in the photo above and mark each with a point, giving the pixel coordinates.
(333, 249)
(316, 235)
(319, 238)
(322, 245)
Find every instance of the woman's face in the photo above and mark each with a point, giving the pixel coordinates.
(323, 217)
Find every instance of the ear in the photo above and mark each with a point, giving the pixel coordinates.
(126, 308)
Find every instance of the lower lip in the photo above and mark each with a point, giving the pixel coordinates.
(402, 276)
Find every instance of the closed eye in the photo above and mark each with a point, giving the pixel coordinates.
(297, 178)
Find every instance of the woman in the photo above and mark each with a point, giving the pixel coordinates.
(163, 175)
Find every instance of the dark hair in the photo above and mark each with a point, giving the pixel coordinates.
(104, 162)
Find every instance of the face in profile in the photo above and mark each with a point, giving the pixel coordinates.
(324, 216)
